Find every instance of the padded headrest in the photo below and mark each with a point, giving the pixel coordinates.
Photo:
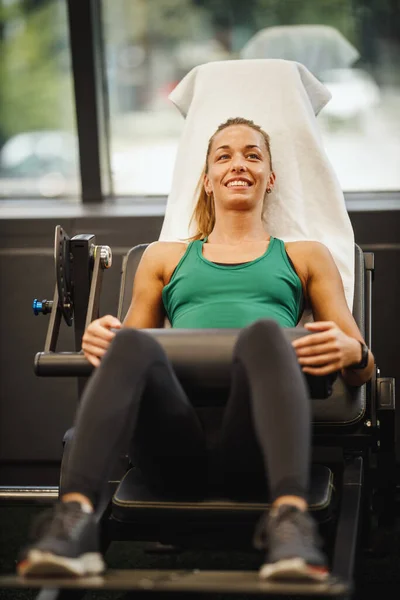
(284, 98)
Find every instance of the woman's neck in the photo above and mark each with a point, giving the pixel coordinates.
(238, 228)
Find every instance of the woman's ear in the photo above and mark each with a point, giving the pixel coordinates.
(271, 180)
(207, 185)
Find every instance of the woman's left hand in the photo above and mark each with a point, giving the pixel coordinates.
(327, 350)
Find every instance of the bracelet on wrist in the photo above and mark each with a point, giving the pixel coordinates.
(364, 359)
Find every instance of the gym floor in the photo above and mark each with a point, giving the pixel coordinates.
(376, 576)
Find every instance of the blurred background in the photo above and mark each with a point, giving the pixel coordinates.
(352, 46)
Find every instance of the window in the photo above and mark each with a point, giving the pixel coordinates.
(353, 46)
(38, 143)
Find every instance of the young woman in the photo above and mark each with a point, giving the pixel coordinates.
(232, 274)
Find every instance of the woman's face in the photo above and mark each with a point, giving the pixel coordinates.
(239, 169)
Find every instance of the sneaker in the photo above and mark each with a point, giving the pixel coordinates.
(64, 542)
(293, 546)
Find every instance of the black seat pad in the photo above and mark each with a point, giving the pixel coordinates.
(134, 502)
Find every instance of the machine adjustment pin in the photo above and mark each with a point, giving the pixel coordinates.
(42, 306)
(105, 257)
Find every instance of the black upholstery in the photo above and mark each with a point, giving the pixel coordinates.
(129, 265)
(359, 289)
(133, 502)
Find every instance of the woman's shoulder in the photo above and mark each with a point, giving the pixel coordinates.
(307, 248)
(310, 256)
(165, 255)
(162, 247)
(307, 257)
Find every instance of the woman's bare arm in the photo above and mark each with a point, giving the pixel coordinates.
(146, 310)
(336, 333)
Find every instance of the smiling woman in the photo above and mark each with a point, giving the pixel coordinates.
(245, 144)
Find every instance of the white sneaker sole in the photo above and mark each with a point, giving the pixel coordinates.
(48, 564)
(292, 569)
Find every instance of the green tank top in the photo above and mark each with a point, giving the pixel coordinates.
(205, 295)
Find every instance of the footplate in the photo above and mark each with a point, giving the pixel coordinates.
(185, 581)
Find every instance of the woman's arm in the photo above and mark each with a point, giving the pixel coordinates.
(335, 343)
(146, 310)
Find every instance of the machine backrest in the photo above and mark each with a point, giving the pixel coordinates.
(129, 265)
(345, 407)
(359, 289)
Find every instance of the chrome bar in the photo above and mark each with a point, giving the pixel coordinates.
(26, 494)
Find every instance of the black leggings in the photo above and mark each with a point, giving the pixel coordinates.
(135, 398)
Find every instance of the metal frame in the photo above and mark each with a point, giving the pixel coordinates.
(182, 583)
(89, 262)
(91, 99)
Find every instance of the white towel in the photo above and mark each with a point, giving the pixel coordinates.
(283, 97)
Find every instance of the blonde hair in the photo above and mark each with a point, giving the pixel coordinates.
(204, 212)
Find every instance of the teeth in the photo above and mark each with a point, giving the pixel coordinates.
(237, 183)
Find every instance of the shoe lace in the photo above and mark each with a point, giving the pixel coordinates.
(57, 521)
(41, 524)
(284, 523)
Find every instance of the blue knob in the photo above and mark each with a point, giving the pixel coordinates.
(37, 307)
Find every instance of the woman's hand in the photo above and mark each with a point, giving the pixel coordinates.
(327, 350)
(97, 338)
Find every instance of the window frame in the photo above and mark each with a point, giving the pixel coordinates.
(91, 99)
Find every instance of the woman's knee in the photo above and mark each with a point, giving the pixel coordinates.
(263, 329)
(129, 342)
(133, 338)
(263, 337)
